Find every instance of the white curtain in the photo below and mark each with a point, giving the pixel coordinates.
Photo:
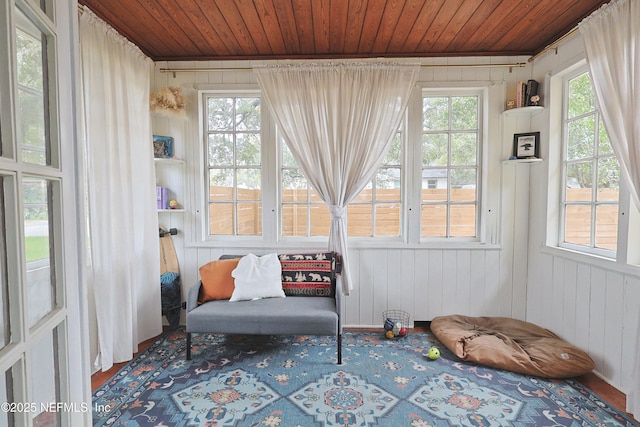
(338, 120)
(612, 43)
(122, 218)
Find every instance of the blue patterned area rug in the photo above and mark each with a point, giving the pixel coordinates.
(294, 381)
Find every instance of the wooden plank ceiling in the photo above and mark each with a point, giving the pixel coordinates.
(297, 29)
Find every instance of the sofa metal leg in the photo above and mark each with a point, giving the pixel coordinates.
(188, 345)
(339, 339)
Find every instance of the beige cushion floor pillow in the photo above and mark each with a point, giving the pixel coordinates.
(217, 281)
(257, 277)
(511, 344)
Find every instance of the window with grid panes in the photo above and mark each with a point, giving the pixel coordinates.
(234, 165)
(375, 212)
(451, 140)
(591, 174)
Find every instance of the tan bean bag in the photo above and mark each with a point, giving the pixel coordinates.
(511, 344)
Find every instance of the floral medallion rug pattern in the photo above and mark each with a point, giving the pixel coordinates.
(294, 381)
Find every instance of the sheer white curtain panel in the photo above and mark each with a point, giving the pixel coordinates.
(122, 219)
(338, 121)
(612, 43)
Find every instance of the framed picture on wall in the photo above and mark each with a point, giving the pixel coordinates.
(526, 145)
(162, 147)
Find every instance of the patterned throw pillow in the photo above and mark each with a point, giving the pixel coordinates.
(309, 274)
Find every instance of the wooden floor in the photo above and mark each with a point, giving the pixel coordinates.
(610, 394)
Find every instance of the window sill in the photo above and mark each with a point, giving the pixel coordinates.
(592, 259)
(355, 243)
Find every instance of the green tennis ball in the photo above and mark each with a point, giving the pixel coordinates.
(433, 353)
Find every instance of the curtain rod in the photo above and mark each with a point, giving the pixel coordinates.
(554, 45)
(214, 69)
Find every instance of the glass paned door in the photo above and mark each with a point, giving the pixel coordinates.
(40, 275)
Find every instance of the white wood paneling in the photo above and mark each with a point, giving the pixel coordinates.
(598, 314)
(435, 289)
(614, 301)
(463, 280)
(582, 296)
(477, 282)
(426, 296)
(630, 330)
(492, 281)
(381, 288)
(406, 281)
(592, 307)
(352, 302)
(568, 301)
(448, 284)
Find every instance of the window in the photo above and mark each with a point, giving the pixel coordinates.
(234, 165)
(254, 188)
(591, 174)
(31, 56)
(375, 212)
(303, 213)
(451, 140)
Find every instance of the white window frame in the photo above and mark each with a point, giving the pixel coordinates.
(482, 94)
(203, 200)
(590, 250)
(271, 177)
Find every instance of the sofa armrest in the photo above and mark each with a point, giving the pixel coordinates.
(192, 296)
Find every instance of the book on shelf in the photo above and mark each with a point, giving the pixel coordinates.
(162, 197)
(524, 91)
(519, 94)
(530, 91)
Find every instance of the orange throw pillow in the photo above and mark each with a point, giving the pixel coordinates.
(217, 282)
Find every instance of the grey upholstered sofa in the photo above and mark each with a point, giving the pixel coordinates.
(302, 314)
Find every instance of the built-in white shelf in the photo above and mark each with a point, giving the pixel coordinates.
(170, 210)
(169, 161)
(524, 111)
(169, 174)
(531, 160)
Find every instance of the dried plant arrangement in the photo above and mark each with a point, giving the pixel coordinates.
(169, 101)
